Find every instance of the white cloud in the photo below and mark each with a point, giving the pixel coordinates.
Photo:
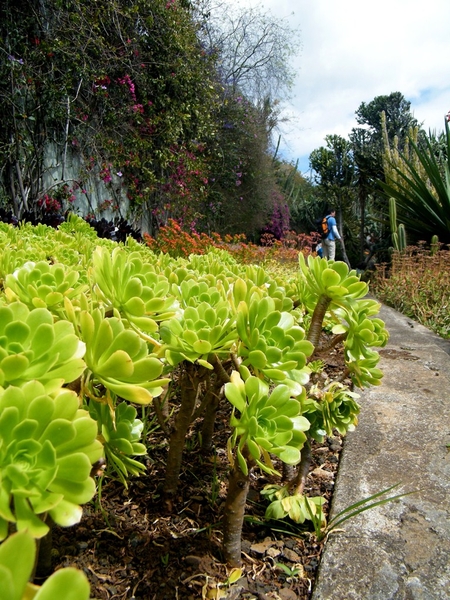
(353, 51)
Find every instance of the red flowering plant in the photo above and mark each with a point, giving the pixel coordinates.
(127, 104)
(58, 199)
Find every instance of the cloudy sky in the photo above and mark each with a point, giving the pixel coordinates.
(353, 51)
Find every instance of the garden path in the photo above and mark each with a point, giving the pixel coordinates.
(400, 550)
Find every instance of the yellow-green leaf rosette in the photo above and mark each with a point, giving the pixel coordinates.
(119, 359)
(47, 448)
(34, 347)
(267, 423)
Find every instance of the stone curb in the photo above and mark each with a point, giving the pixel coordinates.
(400, 550)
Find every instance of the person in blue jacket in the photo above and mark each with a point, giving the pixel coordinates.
(329, 243)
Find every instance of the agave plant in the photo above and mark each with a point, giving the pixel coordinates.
(17, 558)
(420, 184)
(47, 448)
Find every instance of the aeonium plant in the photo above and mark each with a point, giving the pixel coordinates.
(271, 342)
(264, 424)
(334, 296)
(17, 558)
(124, 281)
(118, 359)
(120, 432)
(47, 448)
(34, 347)
(329, 409)
(267, 423)
(118, 366)
(44, 285)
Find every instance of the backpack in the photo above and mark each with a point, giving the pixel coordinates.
(323, 227)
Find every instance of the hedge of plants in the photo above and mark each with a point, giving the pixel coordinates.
(93, 329)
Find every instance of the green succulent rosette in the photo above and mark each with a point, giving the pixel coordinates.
(268, 423)
(332, 279)
(122, 280)
(364, 371)
(17, 559)
(218, 264)
(34, 347)
(200, 332)
(297, 506)
(42, 285)
(47, 448)
(10, 257)
(197, 289)
(272, 343)
(333, 408)
(362, 330)
(120, 432)
(119, 359)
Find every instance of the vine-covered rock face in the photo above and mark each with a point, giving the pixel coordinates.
(47, 448)
(34, 347)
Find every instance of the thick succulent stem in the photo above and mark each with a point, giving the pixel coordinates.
(161, 406)
(214, 394)
(210, 416)
(298, 484)
(334, 342)
(190, 381)
(234, 511)
(210, 402)
(43, 561)
(288, 472)
(315, 328)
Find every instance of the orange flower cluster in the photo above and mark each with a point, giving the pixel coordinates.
(171, 239)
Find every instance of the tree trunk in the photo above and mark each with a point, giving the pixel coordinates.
(362, 226)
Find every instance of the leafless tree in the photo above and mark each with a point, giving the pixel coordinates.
(253, 48)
